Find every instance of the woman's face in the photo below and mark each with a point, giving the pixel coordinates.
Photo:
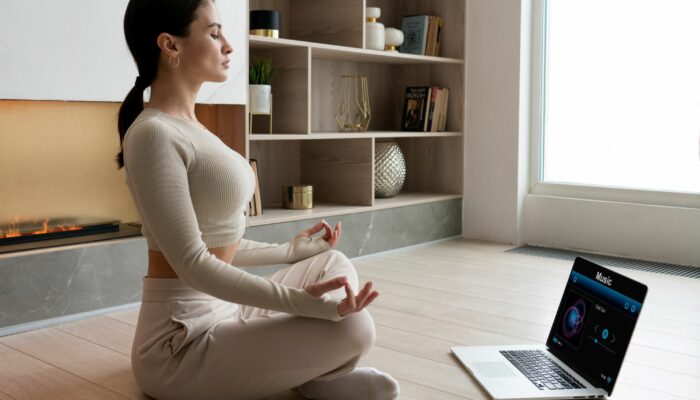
(204, 53)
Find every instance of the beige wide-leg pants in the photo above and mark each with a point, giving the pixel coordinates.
(190, 345)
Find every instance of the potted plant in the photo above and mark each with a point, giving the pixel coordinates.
(260, 91)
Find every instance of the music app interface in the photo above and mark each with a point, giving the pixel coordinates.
(593, 326)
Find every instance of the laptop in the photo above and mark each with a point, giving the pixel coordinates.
(585, 347)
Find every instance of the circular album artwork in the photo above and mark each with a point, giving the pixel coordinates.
(572, 324)
(573, 319)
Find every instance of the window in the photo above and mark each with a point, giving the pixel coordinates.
(620, 95)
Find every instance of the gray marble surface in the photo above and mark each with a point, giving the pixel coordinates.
(73, 280)
(40, 286)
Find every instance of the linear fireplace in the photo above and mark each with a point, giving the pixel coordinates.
(22, 234)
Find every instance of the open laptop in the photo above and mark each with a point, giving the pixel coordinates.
(585, 347)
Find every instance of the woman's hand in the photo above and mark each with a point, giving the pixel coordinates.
(351, 303)
(331, 238)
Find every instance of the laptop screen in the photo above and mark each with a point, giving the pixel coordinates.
(595, 320)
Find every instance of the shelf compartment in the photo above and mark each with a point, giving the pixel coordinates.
(433, 165)
(344, 53)
(290, 90)
(338, 22)
(387, 86)
(452, 11)
(339, 170)
(277, 214)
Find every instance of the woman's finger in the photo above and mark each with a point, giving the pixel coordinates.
(316, 228)
(364, 295)
(328, 230)
(351, 297)
(370, 298)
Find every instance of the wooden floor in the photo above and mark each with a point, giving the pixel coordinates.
(455, 292)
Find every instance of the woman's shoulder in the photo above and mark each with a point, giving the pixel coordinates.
(149, 132)
(150, 125)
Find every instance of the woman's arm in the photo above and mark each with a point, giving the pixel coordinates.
(157, 157)
(251, 253)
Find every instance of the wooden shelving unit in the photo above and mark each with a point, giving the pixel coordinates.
(320, 40)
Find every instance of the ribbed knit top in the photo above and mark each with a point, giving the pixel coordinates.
(220, 181)
(191, 191)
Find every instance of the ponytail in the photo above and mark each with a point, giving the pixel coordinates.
(144, 20)
(130, 109)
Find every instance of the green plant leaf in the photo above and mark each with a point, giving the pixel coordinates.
(261, 71)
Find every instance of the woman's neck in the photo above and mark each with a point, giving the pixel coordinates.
(174, 95)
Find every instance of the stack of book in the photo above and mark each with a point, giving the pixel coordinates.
(425, 109)
(421, 35)
(255, 205)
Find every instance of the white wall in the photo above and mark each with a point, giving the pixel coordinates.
(75, 50)
(493, 186)
(497, 203)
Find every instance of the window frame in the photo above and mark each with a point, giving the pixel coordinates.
(539, 66)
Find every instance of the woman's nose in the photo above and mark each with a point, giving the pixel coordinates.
(227, 46)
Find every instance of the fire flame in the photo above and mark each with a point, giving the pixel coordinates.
(13, 229)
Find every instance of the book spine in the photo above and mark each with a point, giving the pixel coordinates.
(444, 110)
(430, 43)
(255, 203)
(438, 103)
(430, 105)
(437, 40)
(424, 39)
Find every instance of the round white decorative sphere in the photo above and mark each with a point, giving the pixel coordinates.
(392, 38)
(373, 12)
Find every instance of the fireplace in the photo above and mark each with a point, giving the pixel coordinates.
(25, 234)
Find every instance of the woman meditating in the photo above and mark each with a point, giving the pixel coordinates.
(206, 328)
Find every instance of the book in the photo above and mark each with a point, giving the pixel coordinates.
(432, 102)
(436, 113)
(415, 32)
(251, 209)
(443, 114)
(257, 204)
(430, 105)
(437, 40)
(431, 40)
(415, 108)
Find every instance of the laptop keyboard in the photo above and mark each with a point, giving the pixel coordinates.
(540, 370)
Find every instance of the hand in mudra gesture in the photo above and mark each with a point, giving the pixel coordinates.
(351, 303)
(331, 238)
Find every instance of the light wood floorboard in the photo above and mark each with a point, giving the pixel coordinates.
(456, 292)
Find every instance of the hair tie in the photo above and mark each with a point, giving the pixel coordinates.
(140, 83)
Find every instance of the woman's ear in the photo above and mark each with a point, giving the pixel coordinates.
(167, 44)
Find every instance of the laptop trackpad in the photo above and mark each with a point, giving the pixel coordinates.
(493, 369)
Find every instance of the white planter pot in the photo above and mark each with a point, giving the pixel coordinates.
(259, 98)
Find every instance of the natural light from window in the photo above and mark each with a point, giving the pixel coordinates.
(622, 94)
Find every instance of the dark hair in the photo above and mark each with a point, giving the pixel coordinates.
(144, 20)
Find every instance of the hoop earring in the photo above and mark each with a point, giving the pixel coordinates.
(176, 65)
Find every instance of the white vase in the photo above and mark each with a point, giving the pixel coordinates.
(393, 38)
(259, 99)
(374, 31)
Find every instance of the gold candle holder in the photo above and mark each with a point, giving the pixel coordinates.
(297, 197)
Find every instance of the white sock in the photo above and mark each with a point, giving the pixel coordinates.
(362, 383)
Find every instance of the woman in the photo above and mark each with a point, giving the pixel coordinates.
(207, 329)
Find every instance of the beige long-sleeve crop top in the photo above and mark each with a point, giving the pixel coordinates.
(191, 191)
